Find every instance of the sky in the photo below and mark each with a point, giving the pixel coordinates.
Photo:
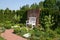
(16, 4)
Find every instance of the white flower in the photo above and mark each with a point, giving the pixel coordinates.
(27, 35)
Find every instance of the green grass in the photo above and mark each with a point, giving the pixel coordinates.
(1, 38)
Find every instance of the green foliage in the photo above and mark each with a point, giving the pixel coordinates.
(57, 30)
(44, 35)
(49, 19)
(50, 8)
(2, 29)
(41, 5)
(22, 25)
(16, 30)
(17, 18)
(37, 34)
(23, 31)
(2, 38)
(34, 6)
(20, 30)
(58, 4)
(7, 24)
(49, 3)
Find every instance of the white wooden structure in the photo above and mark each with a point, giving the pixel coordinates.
(31, 21)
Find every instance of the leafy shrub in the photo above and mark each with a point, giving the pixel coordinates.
(42, 35)
(1, 24)
(16, 30)
(20, 30)
(7, 26)
(58, 30)
(37, 34)
(14, 26)
(2, 29)
(22, 25)
(23, 31)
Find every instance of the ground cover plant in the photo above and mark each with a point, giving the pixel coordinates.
(37, 33)
(2, 38)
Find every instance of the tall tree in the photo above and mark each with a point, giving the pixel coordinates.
(50, 9)
(58, 4)
(41, 5)
(23, 13)
(1, 15)
(34, 6)
(49, 3)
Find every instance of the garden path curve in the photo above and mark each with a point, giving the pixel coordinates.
(8, 35)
